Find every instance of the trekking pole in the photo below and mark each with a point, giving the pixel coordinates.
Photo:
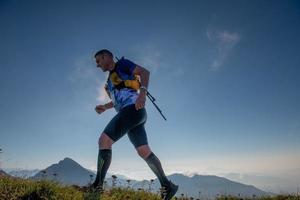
(152, 99)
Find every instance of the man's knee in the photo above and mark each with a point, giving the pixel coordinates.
(144, 151)
(105, 142)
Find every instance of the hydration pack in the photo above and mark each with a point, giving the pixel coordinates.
(120, 83)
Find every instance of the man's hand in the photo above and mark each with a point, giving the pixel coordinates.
(140, 101)
(100, 109)
(144, 76)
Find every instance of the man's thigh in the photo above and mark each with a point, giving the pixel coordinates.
(138, 135)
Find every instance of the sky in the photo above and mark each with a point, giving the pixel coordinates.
(224, 73)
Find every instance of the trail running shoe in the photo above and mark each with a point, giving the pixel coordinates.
(169, 191)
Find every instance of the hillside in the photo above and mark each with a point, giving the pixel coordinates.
(17, 188)
(23, 189)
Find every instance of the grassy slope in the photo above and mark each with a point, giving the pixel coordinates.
(15, 188)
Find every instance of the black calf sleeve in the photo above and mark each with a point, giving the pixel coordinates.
(156, 167)
(104, 160)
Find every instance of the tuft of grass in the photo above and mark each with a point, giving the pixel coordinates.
(23, 189)
(277, 197)
(16, 188)
(130, 194)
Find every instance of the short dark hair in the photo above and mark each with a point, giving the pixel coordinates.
(104, 51)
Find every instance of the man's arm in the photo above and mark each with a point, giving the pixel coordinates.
(101, 108)
(109, 105)
(144, 75)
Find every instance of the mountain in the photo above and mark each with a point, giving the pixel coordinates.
(22, 173)
(279, 183)
(204, 186)
(70, 172)
(66, 171)
(209, 186)
(3, 173)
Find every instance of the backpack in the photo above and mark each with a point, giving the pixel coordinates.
(119, 83)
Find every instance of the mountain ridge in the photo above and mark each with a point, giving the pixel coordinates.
(69, 172)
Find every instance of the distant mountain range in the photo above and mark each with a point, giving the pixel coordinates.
(3, 173)
(209, 186)
(22, 173)
(69, 172)
(202, 186)
(280, 183)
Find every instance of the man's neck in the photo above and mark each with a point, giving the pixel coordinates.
(113, 66)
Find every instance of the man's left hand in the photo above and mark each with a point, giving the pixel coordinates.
(140, 101)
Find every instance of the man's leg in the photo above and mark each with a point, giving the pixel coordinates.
(154, 163)
(138, 137)
(104, 159)
(113, 131)
(168, 188)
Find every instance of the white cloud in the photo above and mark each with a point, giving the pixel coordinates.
(209, 35)
(87, 80)
(224, 41)
(178, 72)
(227, 37)
(149, 56)
(102, 96)
(82, 70)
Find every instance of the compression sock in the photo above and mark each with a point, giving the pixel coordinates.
(104, 160)
(156, 167)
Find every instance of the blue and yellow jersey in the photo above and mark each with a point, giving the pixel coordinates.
(125, 96)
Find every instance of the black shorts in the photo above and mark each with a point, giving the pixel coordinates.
(130, 121)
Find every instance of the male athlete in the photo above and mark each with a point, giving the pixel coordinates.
(122, 88)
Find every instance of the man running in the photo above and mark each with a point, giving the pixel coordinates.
(131, 117)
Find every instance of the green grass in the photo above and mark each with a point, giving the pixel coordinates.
(15, 188)
(23, 189)
(278, 197)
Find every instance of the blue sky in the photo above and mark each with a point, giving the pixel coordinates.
(225, 74)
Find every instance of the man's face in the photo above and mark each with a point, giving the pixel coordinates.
(104, 62)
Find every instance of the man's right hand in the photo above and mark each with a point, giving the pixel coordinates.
(100, 109)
